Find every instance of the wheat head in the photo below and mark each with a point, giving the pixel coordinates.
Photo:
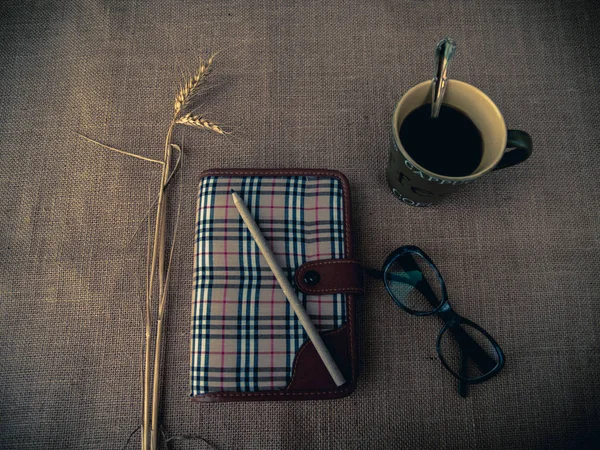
(201, 122)
(192, 85)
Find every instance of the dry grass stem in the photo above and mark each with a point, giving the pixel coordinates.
(117, 150)
(153, 204)
(144, 307)
(189, 437)
(159, 332)
(157, 260)
(201, 122)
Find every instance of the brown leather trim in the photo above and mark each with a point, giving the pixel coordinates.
(309, 371)
(318, 394)
(336, 276)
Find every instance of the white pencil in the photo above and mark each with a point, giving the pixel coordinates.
(287, 289)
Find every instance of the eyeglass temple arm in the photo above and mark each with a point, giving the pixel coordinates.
(471, 349)
(463, 389)
(374, 273)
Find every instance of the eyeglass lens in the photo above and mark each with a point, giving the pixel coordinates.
(414, 283)
(467, 351)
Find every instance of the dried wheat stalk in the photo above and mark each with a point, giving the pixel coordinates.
(183, 99)
(156, 257)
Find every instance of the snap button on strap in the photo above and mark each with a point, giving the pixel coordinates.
(312, 277)
(330, 276)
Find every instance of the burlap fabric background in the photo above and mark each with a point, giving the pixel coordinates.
(305, 84)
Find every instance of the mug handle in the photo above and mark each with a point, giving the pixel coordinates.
(522, 146)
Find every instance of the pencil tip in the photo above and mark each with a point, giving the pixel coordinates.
(233, 192)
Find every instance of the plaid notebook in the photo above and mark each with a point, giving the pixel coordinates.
(245, 336)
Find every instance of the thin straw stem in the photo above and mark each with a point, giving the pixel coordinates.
(161, 217)
(163, 213)
(148, 247)
(153, 204)
(162, 307)
(155, 251)
(133, 155)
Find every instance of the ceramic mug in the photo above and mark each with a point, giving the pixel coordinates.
(414, 184)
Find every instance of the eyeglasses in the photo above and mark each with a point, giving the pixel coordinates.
(465, 349)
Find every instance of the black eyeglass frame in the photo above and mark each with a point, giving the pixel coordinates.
(448, 315)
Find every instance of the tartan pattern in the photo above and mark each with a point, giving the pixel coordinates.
(244, 332)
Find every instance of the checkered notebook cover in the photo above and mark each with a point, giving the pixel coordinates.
(245, 334)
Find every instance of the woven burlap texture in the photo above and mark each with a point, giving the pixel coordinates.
(302, 84)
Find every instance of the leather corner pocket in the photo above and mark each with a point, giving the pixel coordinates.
(310, 374)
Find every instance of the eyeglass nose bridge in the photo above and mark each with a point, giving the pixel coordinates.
(448, 315)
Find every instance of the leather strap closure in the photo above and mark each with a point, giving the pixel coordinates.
(330, 276)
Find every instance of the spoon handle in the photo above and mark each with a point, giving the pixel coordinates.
(443, 54)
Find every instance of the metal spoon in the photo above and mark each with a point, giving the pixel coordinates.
(443, 54)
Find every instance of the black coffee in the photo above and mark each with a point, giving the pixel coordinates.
(450, 145)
